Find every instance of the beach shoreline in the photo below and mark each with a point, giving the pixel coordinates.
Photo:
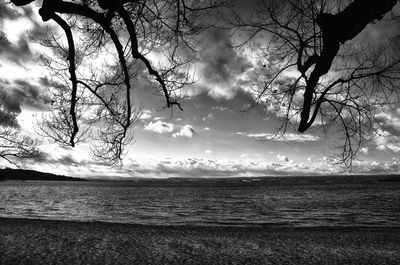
(35, 241)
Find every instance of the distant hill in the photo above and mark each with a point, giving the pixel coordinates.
(21, 174)
(257, 181)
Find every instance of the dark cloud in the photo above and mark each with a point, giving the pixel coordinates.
(375, 33)
(11, 12)
(33, 91)
(389, 121)
(8, 119)
(240, 102)
(220, 65)
(66, 160)
(46, 83)
(220, 60)
(7, 13)
(3, 83)
(8, 102)
(40, 31)
(21, 93)
(19, 53)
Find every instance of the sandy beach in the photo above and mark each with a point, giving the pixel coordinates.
(24, 241)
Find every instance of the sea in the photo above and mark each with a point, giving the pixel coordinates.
(245, 202)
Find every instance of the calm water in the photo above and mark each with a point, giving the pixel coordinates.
(329, 204)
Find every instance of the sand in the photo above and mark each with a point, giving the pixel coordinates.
(24, 241)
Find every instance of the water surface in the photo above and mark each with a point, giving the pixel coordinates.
(303, 204)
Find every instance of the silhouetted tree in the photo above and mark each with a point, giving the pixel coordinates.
(100, 93)
(13, 145)
(317, 70)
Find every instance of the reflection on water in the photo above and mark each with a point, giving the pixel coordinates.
(299, 205)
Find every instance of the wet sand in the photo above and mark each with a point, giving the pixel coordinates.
(24, 241)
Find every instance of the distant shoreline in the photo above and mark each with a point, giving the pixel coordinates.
(33, 241)
(254, 181)
(8, 174)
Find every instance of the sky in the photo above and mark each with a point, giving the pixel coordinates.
(214, 136)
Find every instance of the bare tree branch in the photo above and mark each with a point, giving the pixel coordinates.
(342, 82)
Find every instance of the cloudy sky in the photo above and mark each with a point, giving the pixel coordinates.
(213, 137)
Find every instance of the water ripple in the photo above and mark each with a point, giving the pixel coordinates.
(302, 205)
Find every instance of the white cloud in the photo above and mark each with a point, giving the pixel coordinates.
(206, 129)
(283, 158)
(186, 131)
(385, 141)
(287, 137)
(159, 127)
(255, 135)
(373, 167)
(26, 120)
(198, 167)
(15, 28)
(244, 155)
(388, 131)
(220, 108)
(208, 151)
(364, 150)
(146, 114)
(389, 118)
(296, 137)
(394, 147)
(163, 167)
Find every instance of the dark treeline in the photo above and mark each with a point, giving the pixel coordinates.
(20, 174)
